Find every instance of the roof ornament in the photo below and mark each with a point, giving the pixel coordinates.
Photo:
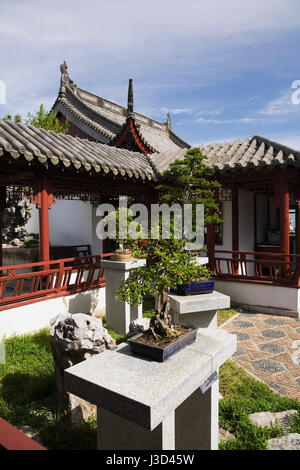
(64, 72)
(169, 123)
(130, 99)
(65, 79)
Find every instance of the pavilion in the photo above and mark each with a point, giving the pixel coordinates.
(253, 253)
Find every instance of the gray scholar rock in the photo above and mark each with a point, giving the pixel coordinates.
(75, 338)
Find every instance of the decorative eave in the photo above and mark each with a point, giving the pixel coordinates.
(130, 128)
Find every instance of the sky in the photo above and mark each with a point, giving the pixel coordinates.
(224, 70)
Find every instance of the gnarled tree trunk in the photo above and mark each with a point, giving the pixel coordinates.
(160, 324)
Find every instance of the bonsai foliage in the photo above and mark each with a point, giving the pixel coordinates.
(187, 181)
(119, 221)
(191, 181)
(168, 264)
(47, 120)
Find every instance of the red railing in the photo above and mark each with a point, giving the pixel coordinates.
(30, 282)
(277, 268)
(13, 439)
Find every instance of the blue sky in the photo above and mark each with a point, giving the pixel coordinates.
(223, 70)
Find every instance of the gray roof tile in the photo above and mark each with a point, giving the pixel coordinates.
(25, 140)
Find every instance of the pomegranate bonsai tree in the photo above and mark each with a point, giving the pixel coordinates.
(168, 264)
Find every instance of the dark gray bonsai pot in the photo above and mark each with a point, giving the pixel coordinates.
(159, 353)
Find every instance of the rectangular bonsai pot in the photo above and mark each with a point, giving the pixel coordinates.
(203, 287)
(159, 353)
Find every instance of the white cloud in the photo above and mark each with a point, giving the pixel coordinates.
(177, 110)
(245, 120)
(281, 105)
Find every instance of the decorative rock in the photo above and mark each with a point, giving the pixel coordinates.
(287, 442)
(267, 418)
(139, 326)
(75, 338)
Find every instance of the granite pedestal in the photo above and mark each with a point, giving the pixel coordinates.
(197, 310)
(119, 315)
(148, 405)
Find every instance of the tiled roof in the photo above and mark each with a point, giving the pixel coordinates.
(105, 119)
(252, 153)
(25, 141)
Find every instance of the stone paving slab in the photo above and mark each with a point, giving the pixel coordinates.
(269, 349)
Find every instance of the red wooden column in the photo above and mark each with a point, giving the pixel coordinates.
(2, 207)
(235, 226)
(210, 245)
(297, 214)
(284, 202)
(44, 200)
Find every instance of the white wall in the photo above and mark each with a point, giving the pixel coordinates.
(33, 317)
(263, 298)
(70, 223)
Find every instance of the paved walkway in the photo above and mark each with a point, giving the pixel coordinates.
(269, 348)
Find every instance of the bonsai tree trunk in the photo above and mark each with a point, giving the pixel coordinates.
(160, 324)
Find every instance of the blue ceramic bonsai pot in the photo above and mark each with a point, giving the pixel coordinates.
(202, 287)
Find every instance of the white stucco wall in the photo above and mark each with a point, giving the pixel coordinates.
(70, 223)
(33, 317)
(262, 297)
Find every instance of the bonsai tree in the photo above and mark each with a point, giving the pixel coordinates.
(187, 181)
(120, 223)
(191, 181)
(168, 264)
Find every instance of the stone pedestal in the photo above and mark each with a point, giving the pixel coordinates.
(197, 310)
(119, 315)
(148, 405)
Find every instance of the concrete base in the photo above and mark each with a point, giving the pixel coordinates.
(119, 315)
(196, 421)
(113, 429)
(197, 310)
(262, 298)
(147, 405)
(193, 426)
